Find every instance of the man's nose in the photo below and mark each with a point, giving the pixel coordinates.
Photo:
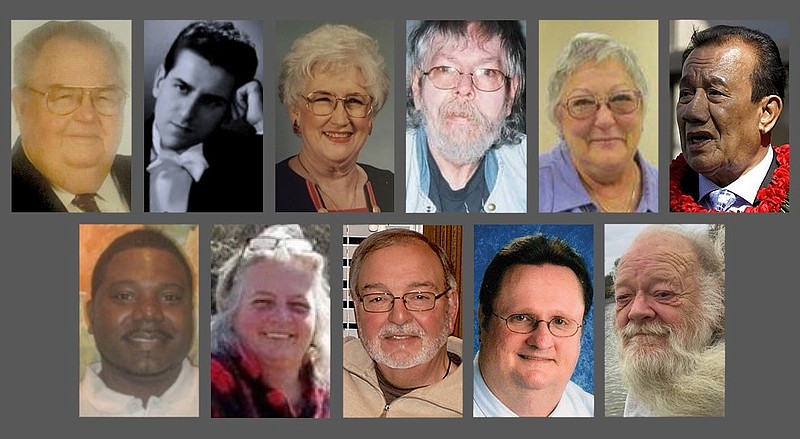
(464, 85)
(696, 109)
(148, 307)
(188, 108)
(541, 337)
(85, 111)
(399, 314)
(640, 309)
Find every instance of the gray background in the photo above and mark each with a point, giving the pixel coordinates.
(40, 251)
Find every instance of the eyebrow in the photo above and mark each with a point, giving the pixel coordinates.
(383, 287)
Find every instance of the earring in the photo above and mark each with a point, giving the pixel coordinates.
(296, 127)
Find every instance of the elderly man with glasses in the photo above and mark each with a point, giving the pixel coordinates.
(466, 148)
(534, 298)
(404, 363)
(70, 88)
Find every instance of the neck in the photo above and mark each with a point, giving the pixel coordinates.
(339, 186)
(724, 177)
(618, 194)
(457, 175)
(139, 386)
(426, 374)
(284, 377)
(523, 401)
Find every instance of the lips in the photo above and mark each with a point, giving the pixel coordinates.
(147, 336)
(338, 136)
(698, 138)
(537, 358)
(277, 335)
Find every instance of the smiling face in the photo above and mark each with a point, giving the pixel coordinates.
(604, 143)
(464, 122)
(275, 319)
(192, 100)
(141, 315)
(513, 364)
(73, 151)
(336, 139)
(719, 125)
(400, 338)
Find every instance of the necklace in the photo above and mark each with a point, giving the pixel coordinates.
(449, 363)
(630, 204)
(319, 188)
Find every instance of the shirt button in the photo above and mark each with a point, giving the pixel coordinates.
(490, 207)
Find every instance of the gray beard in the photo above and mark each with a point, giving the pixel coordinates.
(430, 345)
(461, 147)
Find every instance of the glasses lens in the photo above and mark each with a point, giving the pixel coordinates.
(420, 300)
(561, 327)
(108, 101)
(357, 105)
(377, 302)
(623, 102)
(321, 104)
(520, 323)
(488, 79)
(581, 107)
(64, 100)
(444, 77)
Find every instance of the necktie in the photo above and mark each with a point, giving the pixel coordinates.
(86, 202)
(722, 199)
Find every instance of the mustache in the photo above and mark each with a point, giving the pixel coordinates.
(652, 328)
(406, 329)
(149, 331)
(462, 108)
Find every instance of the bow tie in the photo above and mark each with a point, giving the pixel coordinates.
(191, 160)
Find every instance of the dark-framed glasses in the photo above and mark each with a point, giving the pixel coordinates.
(620, 102)
(382, 301)
(324, 103)
(65, 99)
(526, 323)
(447, 78)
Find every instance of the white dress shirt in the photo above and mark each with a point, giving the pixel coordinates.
(745, 187)
(171, 175)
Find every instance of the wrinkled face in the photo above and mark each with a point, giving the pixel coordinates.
(73, 151)
(657, 292)
(511, 362)
(192, 100)
(141, 314)
(718, 123)
(606, 142)
(275, 319)
(335, 139)
(401, 338)
(464, 122)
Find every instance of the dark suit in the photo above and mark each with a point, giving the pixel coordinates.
(31, 192)
(233, 180)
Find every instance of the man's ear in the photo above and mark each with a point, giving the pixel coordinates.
(480, 322)
(20, 101)
(453, 303)
(771, 107)
(159, 76)
(512, 94)
(415, 89)
(89, 314)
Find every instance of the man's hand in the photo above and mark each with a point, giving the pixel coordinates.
(248, 104)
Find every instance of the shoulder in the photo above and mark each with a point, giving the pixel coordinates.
(377, 174)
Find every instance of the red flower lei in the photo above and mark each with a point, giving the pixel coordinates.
(773, 198)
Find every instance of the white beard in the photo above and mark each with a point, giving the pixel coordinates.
(678, 379)
(461, 146)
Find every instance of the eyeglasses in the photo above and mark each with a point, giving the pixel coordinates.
(447, 78)
(525, 324)
(323, 104)
(270, 243)
(414, 301)
(63, 100)
(585, 106)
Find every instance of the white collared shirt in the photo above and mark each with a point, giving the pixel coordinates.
(180, 400)
(745, 187)
(108, 198)
(170, 183)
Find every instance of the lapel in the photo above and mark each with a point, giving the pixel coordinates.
(30, 190)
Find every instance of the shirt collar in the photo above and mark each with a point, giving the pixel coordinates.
(746, 186)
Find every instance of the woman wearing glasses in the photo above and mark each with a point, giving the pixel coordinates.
(333, 83)
(270, 340)
(596, 100)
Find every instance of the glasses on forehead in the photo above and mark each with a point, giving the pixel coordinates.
(382, 301)
(525, 324)
(324, 103)
(585, 106)
(270, 243)
(63, 99)
(447, 78)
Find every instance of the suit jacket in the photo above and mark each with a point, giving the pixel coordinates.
(31, 192)
(691, 185)
(233, 180)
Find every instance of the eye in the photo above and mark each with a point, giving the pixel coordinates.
(685, 95)
(664, 295)
(622, 299)
(374, 298)
(322, 98)
(487, 73)
(122, 296)
(622, 98)
(182, 88)
(582, 102)
(356, 100)
(171, 296)
(520, 318)
(559, 321)
(300, 307)
(262, 303)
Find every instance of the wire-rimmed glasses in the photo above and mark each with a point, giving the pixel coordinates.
(65, 99)
(324, 103)
(447, 78)
(526, 323)
(620, 102)
(383, 301)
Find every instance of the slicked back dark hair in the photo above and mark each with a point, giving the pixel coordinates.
(221, 44)
(536, 250)
(768, 76)
(141, 238)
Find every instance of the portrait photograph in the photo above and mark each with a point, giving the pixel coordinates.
(598, 116)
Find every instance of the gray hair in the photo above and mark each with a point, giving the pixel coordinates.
(432, 34)
(333, 46)
(26, 52)
(293, 249)
(391, 237)
(588, 47)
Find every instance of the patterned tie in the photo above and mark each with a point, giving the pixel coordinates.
(86, 202)
(722, 199)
